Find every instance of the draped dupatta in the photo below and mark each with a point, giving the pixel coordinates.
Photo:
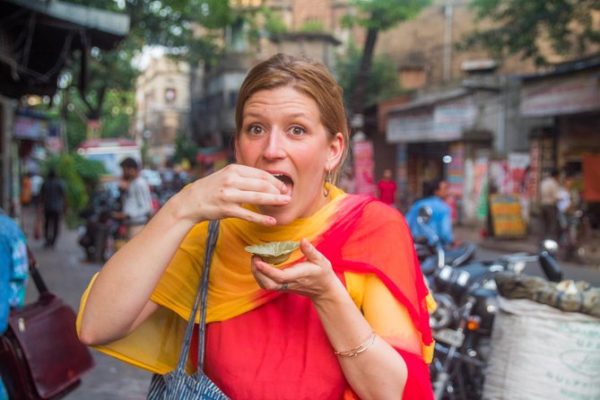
(356, 233)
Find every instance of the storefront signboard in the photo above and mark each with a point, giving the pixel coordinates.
(560, 96)
(29, 127)
(442, 122)
(507, 220)
(452, 117)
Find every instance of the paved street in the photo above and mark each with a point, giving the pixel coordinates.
(67, 275)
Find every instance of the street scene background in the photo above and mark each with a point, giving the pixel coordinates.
(498, 100)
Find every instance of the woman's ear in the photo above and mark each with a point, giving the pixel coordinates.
(336, 150)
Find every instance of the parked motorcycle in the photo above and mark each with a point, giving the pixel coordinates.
(462, 324)
(431, 252)
(101, 231)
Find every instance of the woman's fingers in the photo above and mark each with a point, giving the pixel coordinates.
(222, 194)
(263, 177)
(237, 196)
(313, 255)
(263, 275)
(251, 216)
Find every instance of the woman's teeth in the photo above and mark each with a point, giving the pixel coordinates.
(284, 178)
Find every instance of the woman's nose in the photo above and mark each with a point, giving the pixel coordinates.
(274, 146)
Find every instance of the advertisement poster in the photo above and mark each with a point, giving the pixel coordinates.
(364, 167)
(506, 215)
(456, 170)
(518, 164)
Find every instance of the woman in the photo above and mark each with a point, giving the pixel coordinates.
(286, 332)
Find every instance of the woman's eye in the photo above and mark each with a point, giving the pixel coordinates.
(255, 129)
(297, 130)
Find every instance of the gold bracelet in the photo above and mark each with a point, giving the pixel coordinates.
(364, 346)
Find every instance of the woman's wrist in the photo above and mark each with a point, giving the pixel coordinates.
(333, 294)
(175, 211)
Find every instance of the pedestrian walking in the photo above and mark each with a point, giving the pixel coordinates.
(137, 199)
(344, 317)
(387, 188)
(14, 273)
(549, 196)
(53, 204)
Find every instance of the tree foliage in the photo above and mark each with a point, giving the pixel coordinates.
(376, 16)
(184, 150)
(384, 14)
(382, 82)
(111, 75)
(80, 176)
(525, 28)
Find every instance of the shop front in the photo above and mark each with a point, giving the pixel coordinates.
(570, 97)
(439, 137)
(37, 40)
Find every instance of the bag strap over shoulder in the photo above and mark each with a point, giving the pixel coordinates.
(213, 233)
(35, 273)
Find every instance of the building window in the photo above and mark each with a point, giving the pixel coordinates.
(412, 77)
(170, 95)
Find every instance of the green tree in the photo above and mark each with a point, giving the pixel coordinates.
(382, 82)
(525, 27)
(376, 16)
(80, 176)
(184, 150)
(111, 75)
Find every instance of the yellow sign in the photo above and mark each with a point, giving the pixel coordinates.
(507, 219)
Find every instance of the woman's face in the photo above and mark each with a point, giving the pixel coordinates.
(282, 133)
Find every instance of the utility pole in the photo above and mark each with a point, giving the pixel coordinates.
(448, 22)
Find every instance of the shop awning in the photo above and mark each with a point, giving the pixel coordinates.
(570, 88)
(442, 117)
(38, 37)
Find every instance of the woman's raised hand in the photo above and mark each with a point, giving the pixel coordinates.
(313, 278)
(221, 195)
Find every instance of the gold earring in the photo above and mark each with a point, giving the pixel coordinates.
(328, 179)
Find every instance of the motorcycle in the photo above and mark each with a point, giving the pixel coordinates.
(431, 252)
(101, 231)
(463, 322)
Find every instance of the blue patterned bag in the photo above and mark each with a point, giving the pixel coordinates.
(177, 385)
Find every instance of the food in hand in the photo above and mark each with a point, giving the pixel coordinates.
(273, 252)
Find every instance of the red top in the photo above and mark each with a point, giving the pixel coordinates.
(387, 191)
(280, 350)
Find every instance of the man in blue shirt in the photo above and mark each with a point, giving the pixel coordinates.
(434, 194)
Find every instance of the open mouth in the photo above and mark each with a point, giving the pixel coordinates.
(287, 180)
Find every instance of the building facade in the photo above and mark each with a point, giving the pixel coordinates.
(162, 106)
